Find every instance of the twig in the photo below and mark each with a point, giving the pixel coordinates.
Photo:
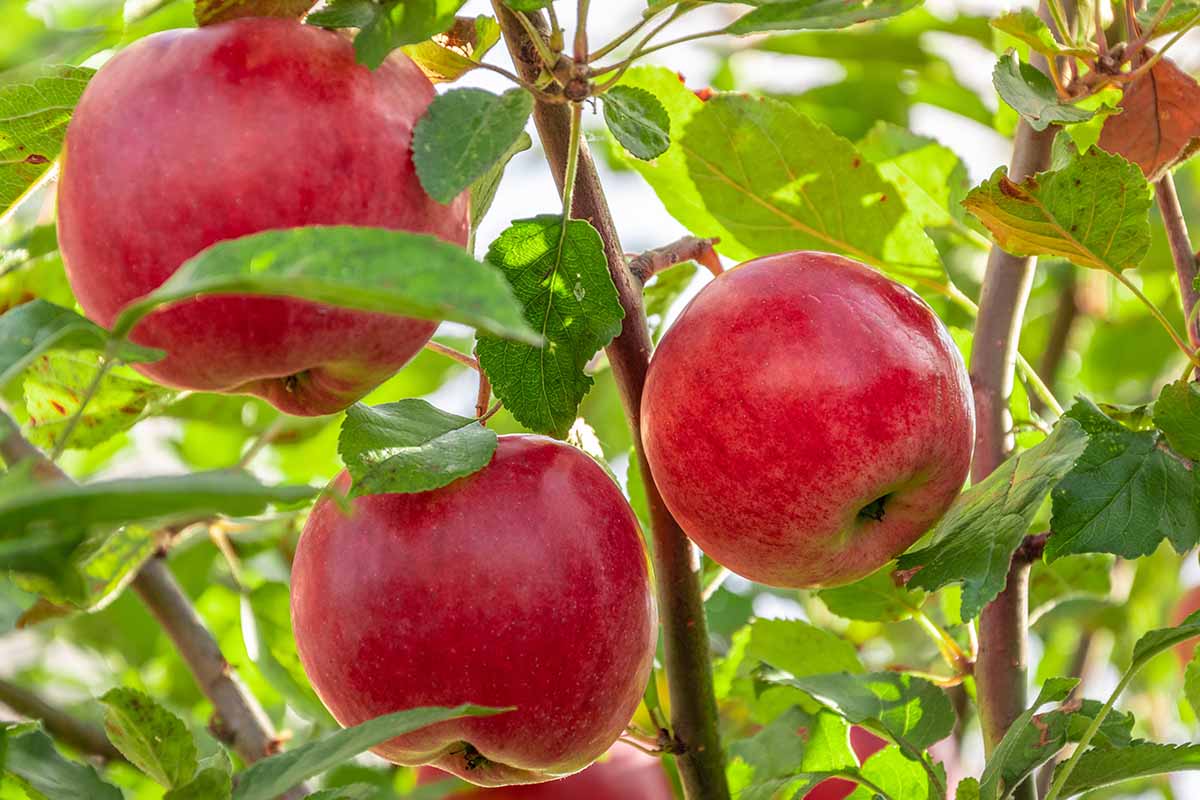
(83, 736)
(1065, 315)
(689, 248)
(1187, 264)
(689, 672)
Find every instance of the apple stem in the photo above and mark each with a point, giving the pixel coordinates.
(676, 569)
(485, 386)
(689, 248)
(1002, 664)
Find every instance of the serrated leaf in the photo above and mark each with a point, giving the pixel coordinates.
(1124, 494)
(54, 388)
(450, 55)
(968, 789)
(1159, 127)
(1029, 28)
(211, 12)
(973, 544)
(929, 176)
(31, 757)
(787, 751)
(386, 26)
(1177, 415)
(410, 446)
(638, 121)
(1017, 754)
(779, 181)
(151, 737)
(800, 648)
(563, 281)
(1156, 641)
(273, 776)
(91, 574)
(1104, 766)
(34, 328)
(798, 15)
(370, 269)
(1033, 95)
(463, 134)
(33, 121)
(1093, 212)
(879, 597)
(267, 634)
(212, 783)
(897, 775)
(483, 190)
(1181, 14)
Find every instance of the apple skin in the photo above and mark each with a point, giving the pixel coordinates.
(864, 744)
(190, 137)
(524, 584)
(793, 392)
(624, 774)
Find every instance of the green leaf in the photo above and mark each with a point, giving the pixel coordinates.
(897, 775)
(1181, 14)
(36, 327)
(273, 776)
(153, 739)
(797, 15)
(80, 507)
(800, 649)
(483, 190)
(32, 758)
(638, 121)
(973, 544)
(1124, 495)
(212, 783)
(1156, 641)
(779, 181)
(410, 446)
(1092, 212)
(929, 176)
(786, 752)
(358, 791)
(879, 597)
(1023, 749)
(1191, 683)
(569, 298)
(1177, 415)
(1104, 766)
(93, 573)
(56, 384)
(463, 134)
(1029, 28)
(968, 789)
(33, 121)
(1033, 95)
(371, 269)
(385, 26)
(267, 634)
(450, 55)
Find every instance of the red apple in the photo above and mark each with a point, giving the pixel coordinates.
(624, 774)
(864, 744)
(524, 584)
(189, 137)
(806, 419)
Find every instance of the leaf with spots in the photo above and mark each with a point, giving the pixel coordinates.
(151, 737)
(1160, 126)
(562, 279)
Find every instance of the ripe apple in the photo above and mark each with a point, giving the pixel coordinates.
(189, 137)
(524, 584)
(806, 419)
(864, 744)
(623, 774)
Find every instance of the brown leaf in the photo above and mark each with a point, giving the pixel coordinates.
(1160, 126)
(210, 12)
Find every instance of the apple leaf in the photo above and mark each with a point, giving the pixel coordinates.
(267, 633)
(463, 134)
(36, 327)
(898, 776)
(1160, 126)
(1104, 766)
(879, 597)
(1019, 752)
(800, 648)
(929, 176)
(1191, 683)
(151, 737)
(1180, 15)
(273, 776)
(1032, 94)
(356, 791)
(450, 55)
(210, 783)
(638, 121)
(973, 544)
(33, 762)
(483, 190)
(562, 279)
(56, 384)
(968, 789)
(387, 25)
(780, 181)
(796, 15)
(369, 269)
(33, 121)
(1177, 415)
(789, 752)
(41, 509)
(1094, 212)
(92, 574)
(1124, 494)
(1028, 27)
(410, 446)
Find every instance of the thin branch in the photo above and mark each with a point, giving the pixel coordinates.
(83, 736)
(689, 671)
(1187, 263)
(689, 248)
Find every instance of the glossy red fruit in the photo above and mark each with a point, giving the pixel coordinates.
(189, 137)
(806, 419)
(623, 774)
(864, 744)
(524, 584)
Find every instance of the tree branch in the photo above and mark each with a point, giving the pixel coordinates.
(83, 736)
(1187, 263)
(240, 721)
(689, 669)
(1001, 669)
